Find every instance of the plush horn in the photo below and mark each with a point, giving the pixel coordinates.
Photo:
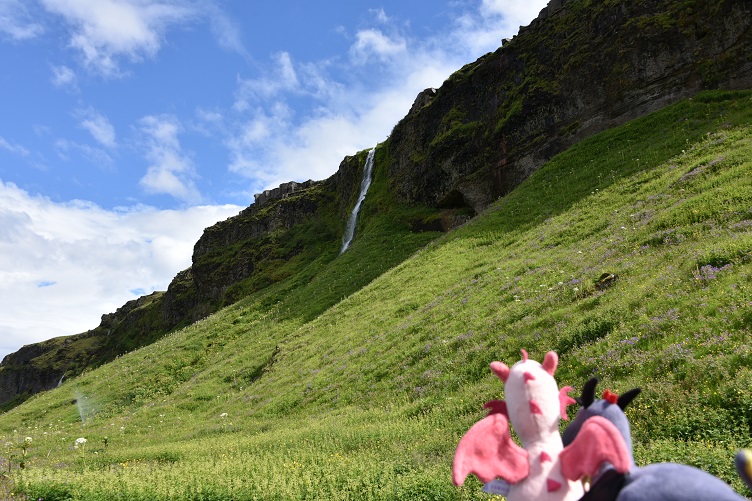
(628, 397)
(550, 362)
(501, 370)
(588, 393)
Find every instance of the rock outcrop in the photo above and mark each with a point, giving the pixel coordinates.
(284, 190)
(42, 366)
(579, 68)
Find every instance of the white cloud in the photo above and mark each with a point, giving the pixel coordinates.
(374, 43)
(496, 19)
(380, 15)
(515, 12)
(207, 122)
(226, 31)
(354, 103)
(104, 31)
(98, 126)
(62, 76)
(63, 265)
(209, 116)
(13, 147)
(171, 171)
(96, 156)
(282, 77)
(16, 22)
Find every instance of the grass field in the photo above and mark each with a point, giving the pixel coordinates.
(292, 393)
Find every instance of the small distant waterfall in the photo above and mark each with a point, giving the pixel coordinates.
(364, 184)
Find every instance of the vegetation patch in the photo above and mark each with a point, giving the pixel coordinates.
(355, 375)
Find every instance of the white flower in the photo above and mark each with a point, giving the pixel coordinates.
(27, 440)
(80, 442)
(223, 415)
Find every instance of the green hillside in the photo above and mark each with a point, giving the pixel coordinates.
(325, 386)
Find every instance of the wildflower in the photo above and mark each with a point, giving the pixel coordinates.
(80, 442)
(223, 415)
(27, 441)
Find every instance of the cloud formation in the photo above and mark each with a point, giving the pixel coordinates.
(170, 171)
(105, 33)
(98, 126)
(63, 265)
(96, 156)
(16, 22)
(353, 101)
(374, 43)
(105, 30)
(13, 147)
(63, 76)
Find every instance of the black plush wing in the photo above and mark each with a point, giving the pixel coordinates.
(607, 487)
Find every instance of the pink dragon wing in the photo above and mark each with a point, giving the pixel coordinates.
(487, 450)
(598, 441)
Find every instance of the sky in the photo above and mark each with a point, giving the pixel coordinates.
(129, 126)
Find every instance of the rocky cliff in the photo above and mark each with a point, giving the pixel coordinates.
(231, 259)
(581, 67)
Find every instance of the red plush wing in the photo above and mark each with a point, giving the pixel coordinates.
(488, 451)
(598, 441)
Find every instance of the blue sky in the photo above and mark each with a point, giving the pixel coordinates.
(128, 126)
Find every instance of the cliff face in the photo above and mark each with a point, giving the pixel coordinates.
(583, 66)
(231, 259)
(42, 366)
(580, 68)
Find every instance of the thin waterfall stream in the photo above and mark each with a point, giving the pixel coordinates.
(364, 184)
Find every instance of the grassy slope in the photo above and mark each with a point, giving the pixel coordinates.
(367, 399)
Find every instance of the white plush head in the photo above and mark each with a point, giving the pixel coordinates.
(532, 396)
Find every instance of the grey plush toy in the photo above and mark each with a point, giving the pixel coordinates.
(744, 466)
(654, 482)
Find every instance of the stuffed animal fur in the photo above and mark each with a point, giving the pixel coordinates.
(542, 469)
(654, 482)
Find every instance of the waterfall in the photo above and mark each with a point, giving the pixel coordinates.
(364, 184)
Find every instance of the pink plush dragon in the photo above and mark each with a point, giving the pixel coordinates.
(542, 469)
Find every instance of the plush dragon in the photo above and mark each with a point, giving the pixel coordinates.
(542, 469)
(654, 482)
